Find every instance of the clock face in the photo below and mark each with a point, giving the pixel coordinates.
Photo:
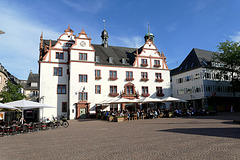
(82, 43)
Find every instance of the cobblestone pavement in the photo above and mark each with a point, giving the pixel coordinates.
(205, 137)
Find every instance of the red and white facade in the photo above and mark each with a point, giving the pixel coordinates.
(72, 80)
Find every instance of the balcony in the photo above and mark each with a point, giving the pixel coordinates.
(98, 78)
(157, 65)
(113, 78)
(144, 79)
(129, 79)
(113, 94)
(159, 94)
(145, 94)
(144, 64)
(159, 80)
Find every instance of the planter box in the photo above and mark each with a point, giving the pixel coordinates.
(159, 80)
(121, 119)
(110, 118)
(113, 94)
(97, 78)
(144, 79)
(144, 64)
(160, 94)
(113, 78)
(156, 65)
(129, 79)
(145, 94)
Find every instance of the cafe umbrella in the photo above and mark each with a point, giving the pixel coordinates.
(5, 106)
(25, 104)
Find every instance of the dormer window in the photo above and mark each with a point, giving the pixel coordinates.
(123, 61)
(33, 84)
(110, 59)
(97, 58)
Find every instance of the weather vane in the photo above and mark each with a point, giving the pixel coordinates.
(104, 23)
(148, 26)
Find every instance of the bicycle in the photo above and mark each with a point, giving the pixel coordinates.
(61, 122)
(64, 122)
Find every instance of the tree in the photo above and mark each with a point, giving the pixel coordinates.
(229, 60)
(11, 93)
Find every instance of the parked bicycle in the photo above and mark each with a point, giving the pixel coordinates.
(62, 121)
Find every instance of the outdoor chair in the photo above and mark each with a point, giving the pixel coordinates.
(25, 128)
(2, 131)
(31, 127)
(125, 118)
(134, 117)
(38, 127)
(44, 126)
(50, 125)
(14, 129)
(8, 130)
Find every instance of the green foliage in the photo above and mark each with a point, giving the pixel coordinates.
(11, 93)
(230, 58)
(229, 55)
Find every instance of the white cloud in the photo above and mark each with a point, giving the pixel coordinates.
(85, 6)
(20, 43)
(134, 41)
(235, 37)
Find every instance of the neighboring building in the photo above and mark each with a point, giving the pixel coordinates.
(76, 75)
(198, 81)
(5, 76)
(31, 87)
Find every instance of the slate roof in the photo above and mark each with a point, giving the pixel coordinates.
(104, 53)
(195, 59)
(32, 78)
(117, 53)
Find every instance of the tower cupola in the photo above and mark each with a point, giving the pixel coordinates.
(104, 37)
(149, 35)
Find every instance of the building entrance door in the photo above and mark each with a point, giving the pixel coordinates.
(82, 113)
(82, 110)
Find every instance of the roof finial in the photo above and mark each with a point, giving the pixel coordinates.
(68, 26)
(148, 27)
(104, 23)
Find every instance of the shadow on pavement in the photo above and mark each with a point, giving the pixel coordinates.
(220, 116)
(216, 132)
(87, 120)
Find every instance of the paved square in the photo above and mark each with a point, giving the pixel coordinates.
(205, 137)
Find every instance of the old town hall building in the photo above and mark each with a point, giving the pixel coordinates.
(75, 75)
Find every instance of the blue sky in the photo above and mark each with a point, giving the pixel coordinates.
(178, 26)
